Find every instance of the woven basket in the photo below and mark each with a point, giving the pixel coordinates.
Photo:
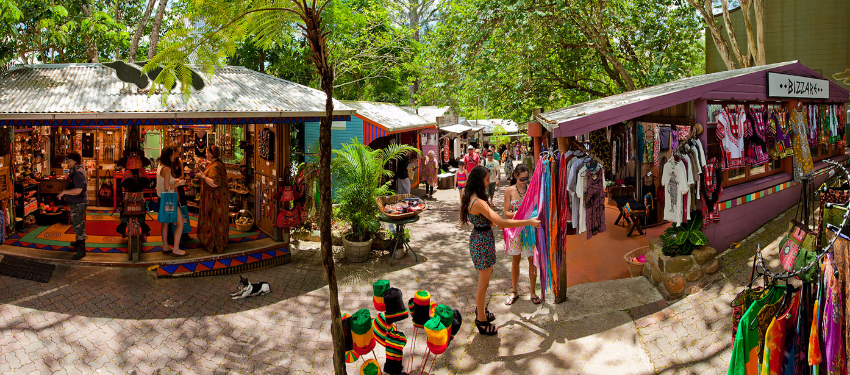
(247, 226)
(635, 268)
(382, 201)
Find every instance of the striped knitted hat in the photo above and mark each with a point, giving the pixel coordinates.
(370, 367)
(419, 306)
(395, 352)
(378, 289)
(396, 310)
(361, 332)
(438, 335)
(456, 322)
(380, 327)
(447, 316)
(350, 355)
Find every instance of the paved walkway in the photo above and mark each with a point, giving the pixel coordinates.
(122, 320)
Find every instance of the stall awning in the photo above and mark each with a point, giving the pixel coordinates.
(457, 129)
(371, 132)
(381, 119)
(749, 84)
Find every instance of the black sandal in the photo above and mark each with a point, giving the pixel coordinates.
(486, 329)
(490, 316)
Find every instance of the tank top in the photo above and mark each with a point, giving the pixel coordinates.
(160, 182)
(461, 179)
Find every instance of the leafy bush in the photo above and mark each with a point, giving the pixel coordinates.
(682, 239)
(359, 178)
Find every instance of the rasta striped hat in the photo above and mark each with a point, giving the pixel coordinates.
(361, 332)
(419, 307)
(380, 327)
(370, 367)
(395, 352)
(396, 310)
(445, 314)
(437, 334)
(350, 355)
(378, 289)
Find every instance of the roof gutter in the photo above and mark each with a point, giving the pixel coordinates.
(166, 115)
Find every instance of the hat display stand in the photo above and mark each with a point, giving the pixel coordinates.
(438, 341)
(439, 322)
(419, 307)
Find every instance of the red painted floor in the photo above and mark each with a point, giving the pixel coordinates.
(601, 257)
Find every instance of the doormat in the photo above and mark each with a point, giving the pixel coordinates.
(21, 268)
(276, 261)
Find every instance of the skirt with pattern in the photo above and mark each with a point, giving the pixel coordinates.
(482, 248)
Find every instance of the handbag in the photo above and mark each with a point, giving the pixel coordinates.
(288, 193)
(745, 298)
(289, 218)
(134, 203)
(801, 238)
(168, 207)
(134, 161)
(133, 227)
(187, 226)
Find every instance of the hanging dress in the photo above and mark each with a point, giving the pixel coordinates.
(803, 167)
(832, 336)
(711, 191)
(777, 124)
(730, 132)
(757, 140)
(594, 202)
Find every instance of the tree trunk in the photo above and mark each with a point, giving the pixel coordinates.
(140, 28)
(705, 10)
(315, 36)
(262, 61)
(91, 44)
(733, 40)
(157, 23)
(752, 49)
(118, 19)
(413, 18)
(759, 7)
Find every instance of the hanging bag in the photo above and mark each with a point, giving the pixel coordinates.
(134, 203)
(133, 227)
(168, 206)
(745, 298)
(799, 237)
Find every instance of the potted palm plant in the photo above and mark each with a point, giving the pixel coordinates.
(359, 177)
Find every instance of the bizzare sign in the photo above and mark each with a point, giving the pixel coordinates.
(787, 86)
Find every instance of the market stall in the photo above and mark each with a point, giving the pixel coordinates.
(71, 114)
(710, 148)
(387, 123)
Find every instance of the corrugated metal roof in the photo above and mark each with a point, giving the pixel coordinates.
(563, 115)
(94, 88)
(393, 117)
(490, 125)
(458, 128)
(429, 112)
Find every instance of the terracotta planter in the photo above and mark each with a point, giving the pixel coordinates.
(356, 252)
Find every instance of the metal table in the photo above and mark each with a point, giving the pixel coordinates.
(398, 235)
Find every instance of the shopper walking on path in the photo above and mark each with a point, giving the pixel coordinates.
(517, 248)
(213, 227)
(76, 194)
(482, 245)
(471, 159)
(429, 174)
(495, 170)
(169, 205)
(402, 177)
(460, 177)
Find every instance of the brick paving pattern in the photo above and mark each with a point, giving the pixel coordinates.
(123, 320)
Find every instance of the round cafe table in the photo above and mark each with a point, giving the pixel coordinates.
(398, 234)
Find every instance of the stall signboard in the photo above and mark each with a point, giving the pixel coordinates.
(787, 86)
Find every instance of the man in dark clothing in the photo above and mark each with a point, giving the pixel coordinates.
(76, 194)
(401, 175)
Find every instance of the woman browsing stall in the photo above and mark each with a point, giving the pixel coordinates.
(482, 246)
(213, 227)
(169, 207)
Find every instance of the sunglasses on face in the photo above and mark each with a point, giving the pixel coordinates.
(523, 179)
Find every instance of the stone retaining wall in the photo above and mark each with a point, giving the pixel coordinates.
(676, 276)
